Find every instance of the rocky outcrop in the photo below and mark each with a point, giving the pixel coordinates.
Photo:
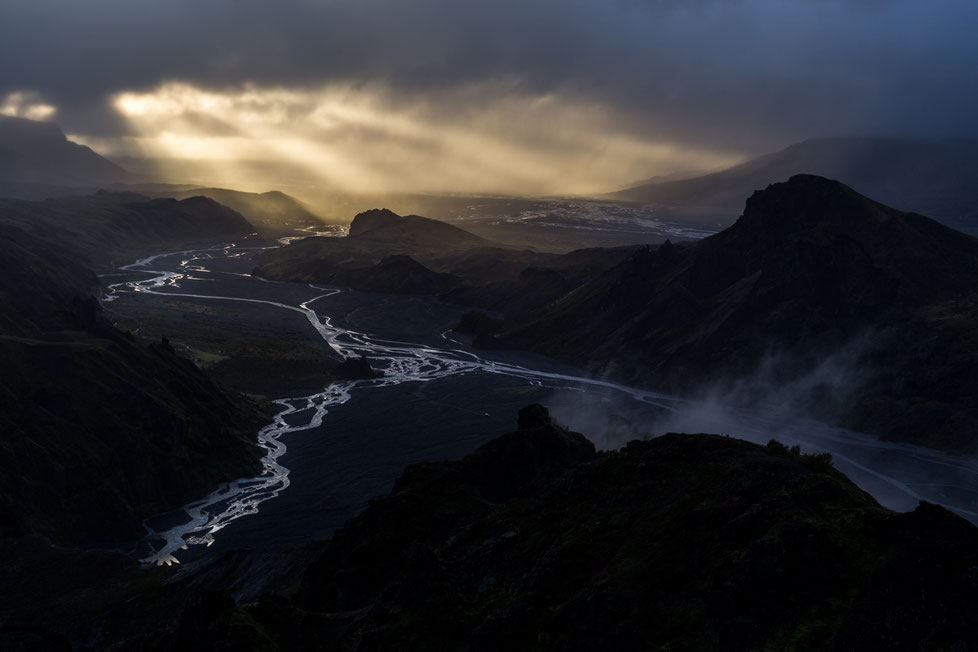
(356, 369)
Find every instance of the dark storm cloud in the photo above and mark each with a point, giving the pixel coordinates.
(746, 74)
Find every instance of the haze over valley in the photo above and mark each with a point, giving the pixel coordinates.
(523, 325)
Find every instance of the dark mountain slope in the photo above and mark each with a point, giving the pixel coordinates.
(38, 153)
(119, 226)
(96, 431)
(39, 283)
(810, 266)
(535, 542)
(935, 178)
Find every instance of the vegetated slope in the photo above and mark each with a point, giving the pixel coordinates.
(535, 542)
(385, 252)
(272, 213)
(809, 270)
(112, 226)
(96, 431)
(35, 157)
(934, 178)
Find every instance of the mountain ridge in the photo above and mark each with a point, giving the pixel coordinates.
(808, 269)
(934, 178)
(38, 153)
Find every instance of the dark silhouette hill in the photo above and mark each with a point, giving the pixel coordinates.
(934, 178)
(809, 270)
(98, 432)
(535, 542)
(35, 155)
(119, 226)
(273, 213)
(382, 225)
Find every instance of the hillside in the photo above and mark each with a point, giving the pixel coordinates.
(385, 252)
(811, 270)
(535, 542)
(120, 226)
(99, 432)
(934, 178)
(36, 158)
(273, 213)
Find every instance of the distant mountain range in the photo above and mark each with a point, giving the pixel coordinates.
(272, 213)
(38, 162)
(934, 178)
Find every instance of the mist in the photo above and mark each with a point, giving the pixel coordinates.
(788, 400)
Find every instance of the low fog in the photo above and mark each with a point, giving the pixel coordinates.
(791, 402)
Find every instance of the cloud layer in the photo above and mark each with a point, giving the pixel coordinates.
(714, 79)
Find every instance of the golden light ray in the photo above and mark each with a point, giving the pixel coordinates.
(488, 138)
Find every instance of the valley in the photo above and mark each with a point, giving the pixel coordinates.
(516, 326)
(439, 398)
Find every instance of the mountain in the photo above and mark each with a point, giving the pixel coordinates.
(385, 252)
(382, 225)
(535, 542)
(273, 213)
(935, 178)
(36, 158)
(120, 226)
(812, 271)
(99, 432)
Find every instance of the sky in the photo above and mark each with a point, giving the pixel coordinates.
(507, 96)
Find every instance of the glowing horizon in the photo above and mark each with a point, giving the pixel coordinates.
(487, 138)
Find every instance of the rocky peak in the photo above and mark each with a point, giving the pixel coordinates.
(540, 449)
(372, 219)
(806, 202)
(17, 133)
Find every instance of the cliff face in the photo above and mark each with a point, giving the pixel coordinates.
(810, 267)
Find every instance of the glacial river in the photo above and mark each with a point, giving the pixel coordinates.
(328, 451)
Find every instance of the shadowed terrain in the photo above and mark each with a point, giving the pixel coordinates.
(99, 432)
(119, 226)
(810, 269)
(385, 252)
(935, 178)
(534, 541)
